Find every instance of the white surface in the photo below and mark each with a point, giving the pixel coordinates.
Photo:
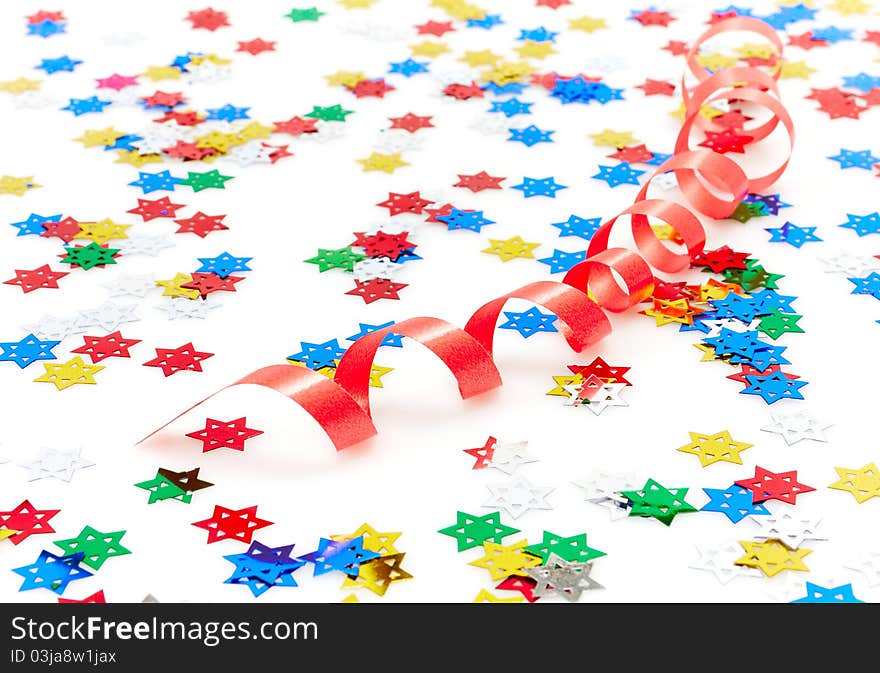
(413, 476)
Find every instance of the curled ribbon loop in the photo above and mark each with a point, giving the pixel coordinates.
(342, 406)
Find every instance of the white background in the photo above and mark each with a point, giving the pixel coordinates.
(413, 476)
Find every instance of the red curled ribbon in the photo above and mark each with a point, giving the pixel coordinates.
(342, 406)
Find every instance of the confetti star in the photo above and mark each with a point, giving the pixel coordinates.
(573, 548)
(511, 107)
(207, 283)
(81, 106)
(102, 231)
(176, 309)
(223, 264)
(772, 557)
(256, 46)
(96, 547)
(371, 539)
(505, 560)
(306, 14)
(33, 225)
(529, 322)
(479, 181)
(561, 261)
(61, 64)
(792, 531)
(131, 285)
(603, 488)
(394, 340)
(89, 256)
(378, 574)
(766, 485)
(862, 482)
(341, 258)
(621, 174)
(200, 224)
(735, 502)
(376, 289)
(471, 530)
(539, 187)
(386, 163)
(508, 456)
(601, 397)
(108, 316)
(863, 224)
(333, 113)
(868, 285)
(578, 226)
(820, 594)
(116, 82)
(69, 373)
(28, 350)
(170, 485)
(207, 19)
(566, 579)
(511, 248)
(719, 560)
(174, 287)
(484, 596)
(710, 449)
(587, 24)
(316, 356)
(518, 496)
(26, 520)
(150, 210)
(796, 426)
(236, 524)
(162, 181)
(263, 567)
(408, 68)
(34, 279)
(657, 501)
(58, 464)
(101, 348)
(530, 135)
(773, 387)
(52, 327)
(173, 360)
(206, 180)
(853, 159)
(17, 186)
(793, 235)
(471, 220)
(483, 454)
(52, 572)
(343, 556)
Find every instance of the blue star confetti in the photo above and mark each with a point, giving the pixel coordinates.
(735, 502)
(622, 174)
(530, 135)
(538, 187)
(581, 227)
(223, 264)
(793, 235)
(561, 261)
(529, 322)
(27, 351)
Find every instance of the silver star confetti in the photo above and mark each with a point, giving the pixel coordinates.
(852, 266)
(508, 456)
(566, 579)
(607, 396)
(250, 153)
(718, 559)
(792, 531)
(327, 130)
(603, 489)
(395, 141)
(175, 309)
(56, 464)
(796, 426)
(129, 285)
(54, 328)
(375, 267)
(518, 496)
(108, 316)
(144, 244)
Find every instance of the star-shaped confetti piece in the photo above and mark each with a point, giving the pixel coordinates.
(69, 373)
(791, 530)
(224, 434)
(28, 350)
(26, 520)
(796, 426)
(235, 524)
(772, 557)
(511, 248)
(862, 482)
(183, 358)
(719, 559)
(504, 560)
(735, 502)
(386, 163)
(566, 579)
(572, 548)
(52, 572)
(16, 186)
(471, 530)
(657, 501)
(720, 447)
(378, 574)
(518, 496)
(766, 485)
(97, 547)
(59, 464)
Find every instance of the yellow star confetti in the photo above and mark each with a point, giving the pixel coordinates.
(720, 447)
(708, 353)
(210, 58)
(752, 50)
(381, 543)
(217, 140)
(158, 72)
(504, 560)
(378, 574)
(173, 289)
(716, 61)
(345, 78)
(587, 24)
(428, 48)
(849, 7)
(387, 163)
(666, 232)
(511, 248)
(20, 85)
(351, 598)
(565, 380)
(459, 9)
(618, 139)
(137, 159)
(666, 311)
(102, 231)
(17, 186)
(863, 483)
(772, 557)
(253, 131)
(706, 110)
(531, 49)
(69, 373)
(357, 4)
(487, 597)
(508, 71)
(795, 70)
(376, 372)
(96, 137)
(716, 289)
(478, 58)
(6, 532)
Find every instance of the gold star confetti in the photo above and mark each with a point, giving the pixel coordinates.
(716, 61)
(531, 49)
(428, 48)
(563, 381)
(158, 72)
(378, 574)
(666, 311)
(102, 231)
(96, 137)
(508, 71)
(487, 597)
(217, 140)
(387, 163)
(173, 287)
(617, 139)
(17, 186)
(795, 70)
(587, 24)
(137, 159)
(863, 483)
(478, 58)
(753, 50)
(345, 78)
(459, 9)
(6, 532)
(376, 372)
(381, 543)
(504, 560)
(720, 447)
(511, 248)
(254, 131)
(69, 373)
(772, 557)
(849, 7)
(20, 85)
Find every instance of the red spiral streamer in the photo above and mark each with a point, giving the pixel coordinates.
(342, 406)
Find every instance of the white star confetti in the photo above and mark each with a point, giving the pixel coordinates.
(718, 559)
(797, 426)
(56, 464)
(518, 496)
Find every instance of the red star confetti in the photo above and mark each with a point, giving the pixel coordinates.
(237, 524)
(438, 28)
(376, 289)
(382, 244)
(602, 370)
(257, 46)
(464, 91)
(207, 19)
(766, 485)
(525, 585)
(483, 454)
(552, 4)
(727, 140)
(34, 279)
(654, 87)
(633, 154)
(200, 224)
(101, 348)
(163, 99)
(404, 203)
(188, 151)
(410, 122)
(650, 17)
(150, 210)
(206, 283)
(27, 520)
(96, 598)
(173, 360)
(676, 47)
(65, 229)
(296, 126)
(479, 181)
(224, 434)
